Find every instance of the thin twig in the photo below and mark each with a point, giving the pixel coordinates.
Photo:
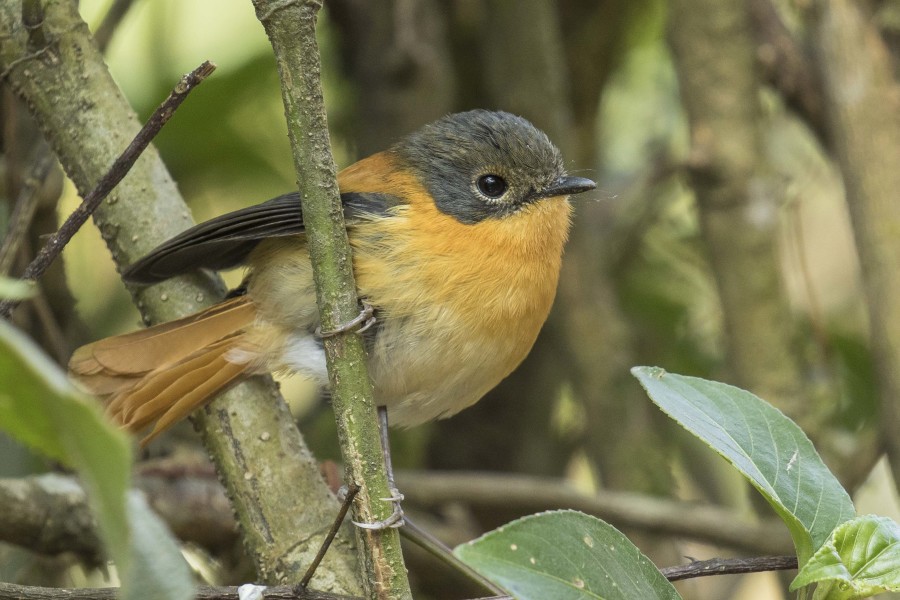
(108, 182)
(25, 207)
(352, 491)
(729, 566)
(54, 338)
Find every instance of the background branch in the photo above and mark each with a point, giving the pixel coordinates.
(110, 23)
(47, 513)
(25, 207)
(788, 67)
(522, 494)
(864, 120)
(737, 195)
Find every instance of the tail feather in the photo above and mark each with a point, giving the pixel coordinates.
(103, 384)
(219, 375)
(166, 372)
(171, 395)
(135, 406)
(167, 343)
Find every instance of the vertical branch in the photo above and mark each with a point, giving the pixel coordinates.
(249, 430)
(861, 106)
(291, 27)
(737, 198)
(739, 202)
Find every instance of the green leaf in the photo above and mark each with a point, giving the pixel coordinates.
(861, 559)
(158, 571)
(764, 445)
(15, 289)
(41, 409)
(565, 555)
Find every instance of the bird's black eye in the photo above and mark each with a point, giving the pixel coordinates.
(492, 186)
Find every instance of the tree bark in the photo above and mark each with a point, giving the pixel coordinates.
(863, 112)
(737, 197)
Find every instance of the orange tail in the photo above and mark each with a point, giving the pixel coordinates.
(165, 372)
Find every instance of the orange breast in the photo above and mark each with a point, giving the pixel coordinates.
(461, 305)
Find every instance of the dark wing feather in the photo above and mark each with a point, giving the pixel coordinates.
(225, 242)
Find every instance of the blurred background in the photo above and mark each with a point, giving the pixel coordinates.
(719, 242)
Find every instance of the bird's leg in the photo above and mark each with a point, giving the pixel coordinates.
(396, 496)
(396, 518)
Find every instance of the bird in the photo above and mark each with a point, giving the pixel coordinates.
(457, 234)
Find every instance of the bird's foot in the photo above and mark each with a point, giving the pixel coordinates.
(364, 320)
(394, 521)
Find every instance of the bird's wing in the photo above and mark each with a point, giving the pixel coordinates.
(225, 242)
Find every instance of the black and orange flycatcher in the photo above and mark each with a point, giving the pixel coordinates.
(457, 234)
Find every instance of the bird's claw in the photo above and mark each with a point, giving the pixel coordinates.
(394, 521)
(363, 321)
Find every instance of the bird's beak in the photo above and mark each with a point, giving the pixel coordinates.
(565, 186)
